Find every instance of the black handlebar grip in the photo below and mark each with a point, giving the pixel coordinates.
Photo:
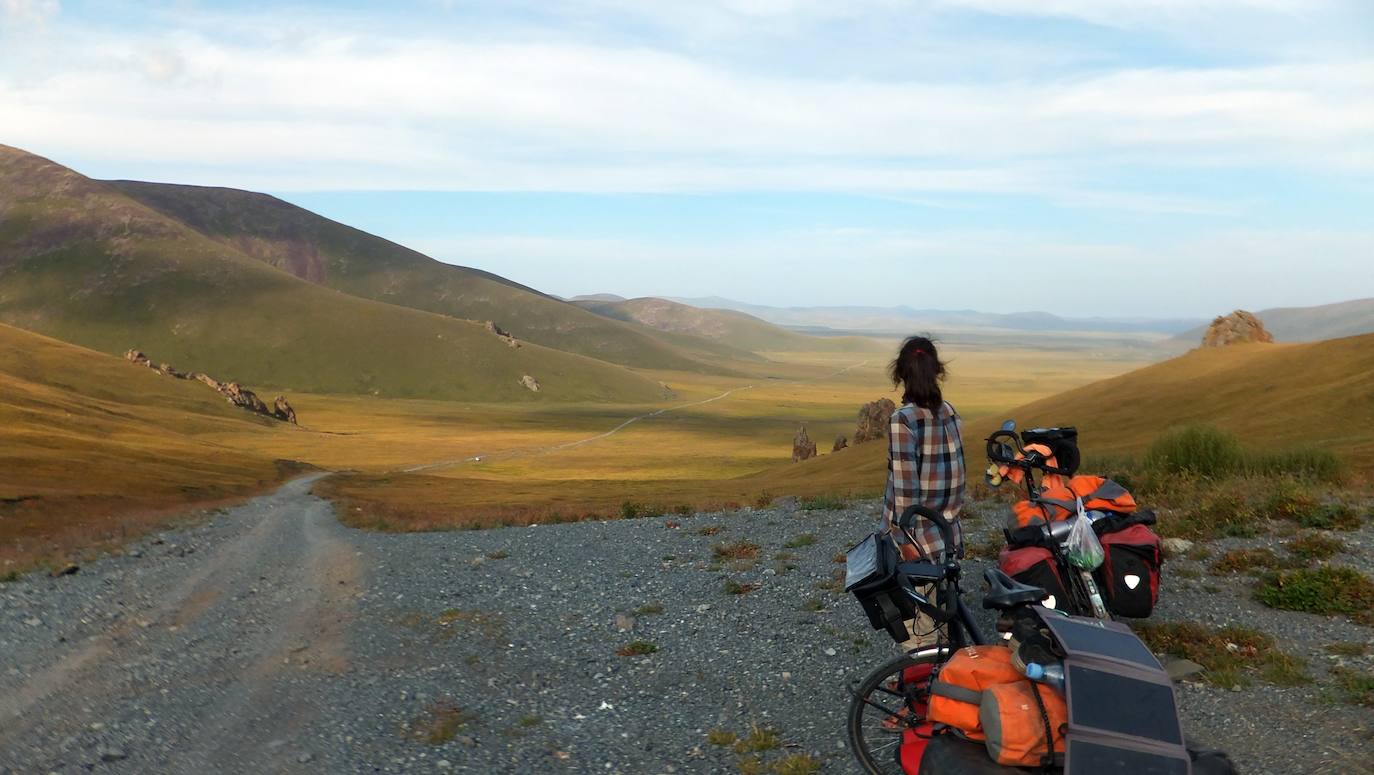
(908, 517)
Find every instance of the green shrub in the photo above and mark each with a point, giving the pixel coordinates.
(805, 539)
(1223, 512)
(1313, 546)
(631, 510)
(1199, 450)
(636, 648)
(1329, 589)
(822, 503)
(1305, 462)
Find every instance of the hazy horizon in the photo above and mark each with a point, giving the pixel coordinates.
(1086, 158)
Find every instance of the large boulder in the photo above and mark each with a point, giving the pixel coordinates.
(282, 410)
(803, 448)
(1239, 327)
(530, 383)
(239, 395)
(840, 443)
(874, 418)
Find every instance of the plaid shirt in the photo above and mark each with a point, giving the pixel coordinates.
(925, 465)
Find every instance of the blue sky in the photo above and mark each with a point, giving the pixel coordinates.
(1094, 157)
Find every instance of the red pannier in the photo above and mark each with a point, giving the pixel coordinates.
(1034, 565)
(1129, 576)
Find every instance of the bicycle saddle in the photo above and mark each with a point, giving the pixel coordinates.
(1005, 593)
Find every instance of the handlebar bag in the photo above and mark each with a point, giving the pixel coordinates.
(1015, 727)
(1035, 565)
(1129, 576)
(957, 692)
(871, 576)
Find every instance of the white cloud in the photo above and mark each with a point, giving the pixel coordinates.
(27, 12)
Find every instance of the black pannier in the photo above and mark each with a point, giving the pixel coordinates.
(871, 576)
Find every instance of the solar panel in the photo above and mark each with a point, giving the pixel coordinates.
(1089, 758)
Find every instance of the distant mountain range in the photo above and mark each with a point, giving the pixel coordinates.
(905, 319)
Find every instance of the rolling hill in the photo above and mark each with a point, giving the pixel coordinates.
(336, 256)
(738, 328)
(82, 262)
(1320, 393)
(85, 437)
(1306, 324)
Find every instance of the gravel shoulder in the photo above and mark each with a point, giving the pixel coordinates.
(269, 638)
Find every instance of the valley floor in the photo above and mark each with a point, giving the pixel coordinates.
(269, 638)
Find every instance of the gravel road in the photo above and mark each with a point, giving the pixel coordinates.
(269, 638)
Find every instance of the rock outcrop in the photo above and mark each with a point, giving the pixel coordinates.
(503, 334)
(803, 448)
(1239, 327)
(233, 392)
(840, 443)
(874, 418)
(530, 383)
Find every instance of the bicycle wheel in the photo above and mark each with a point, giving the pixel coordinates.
(885, 705)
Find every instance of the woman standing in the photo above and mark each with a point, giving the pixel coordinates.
(925, 462)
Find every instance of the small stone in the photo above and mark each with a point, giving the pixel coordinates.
(1177, 547)
(305, 758)
(444, 764)
(703, 608)
(65, 570)
(113, 753)
(33, 621)
(830, 652)
(624, 622)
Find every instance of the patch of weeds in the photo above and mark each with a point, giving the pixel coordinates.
(671, 525)
(631, 510)
(1314, 546)
(805, 539)
(760, 738)
(1356, 685)
(751, 765)
(739, 550)
(736, 588)
(721, 737)
(682, 510)
(797, 764)
(822, 503)
(1200, 553)
(840, 558)
(1307, 462)
(710, 530)
(9, 576)
(835, 585)
(764, 499)
(1229, 654)
(499, 554)
(636, 648)
(1223, 512)
(1245, 561)
(531, 720)
(649, 609)
(1332, 516)
(813, 604)
(1329, 589)
(986, 547)
(1348, 649)
(1211, 589)
(439, 723)
(1187, 572)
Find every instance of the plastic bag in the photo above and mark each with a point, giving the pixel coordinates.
(1085, 551)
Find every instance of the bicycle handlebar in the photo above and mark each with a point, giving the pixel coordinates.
(907, 520)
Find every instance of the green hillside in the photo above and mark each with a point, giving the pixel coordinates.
(84, 263)
(738, 328)
(329, 253)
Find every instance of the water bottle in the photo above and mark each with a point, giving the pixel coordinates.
(1050, 675)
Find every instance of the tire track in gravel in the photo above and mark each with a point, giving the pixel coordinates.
(250, 646)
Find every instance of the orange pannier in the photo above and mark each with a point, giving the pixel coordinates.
(1061, 501)
(1013, 726)
(956, 693)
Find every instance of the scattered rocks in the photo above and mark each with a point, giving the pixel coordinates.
(235, 393)
(803, 448)
(530, 383)
(65, 570)
(840, 443)
(1239, 327)
(874, 418)
(503, 334)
